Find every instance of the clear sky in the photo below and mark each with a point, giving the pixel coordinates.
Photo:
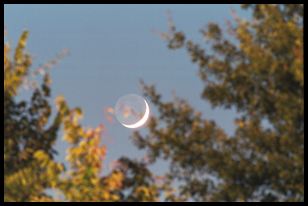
(111, 48)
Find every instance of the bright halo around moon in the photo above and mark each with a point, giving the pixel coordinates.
(132, 111)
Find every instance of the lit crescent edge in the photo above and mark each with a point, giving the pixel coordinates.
(142, 120)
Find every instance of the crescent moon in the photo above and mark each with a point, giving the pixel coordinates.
(142, 120)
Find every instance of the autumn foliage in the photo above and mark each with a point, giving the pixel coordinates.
(255, 66)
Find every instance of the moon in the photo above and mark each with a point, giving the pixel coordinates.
(142, 121)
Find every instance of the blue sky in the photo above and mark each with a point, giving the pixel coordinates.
(111, 48)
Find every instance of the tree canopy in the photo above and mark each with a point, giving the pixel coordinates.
(255, 66)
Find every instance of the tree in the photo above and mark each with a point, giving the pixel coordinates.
(258, 69)
(29, 137)
(25, 131)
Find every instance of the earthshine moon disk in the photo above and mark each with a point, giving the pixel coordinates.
(132, 111)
